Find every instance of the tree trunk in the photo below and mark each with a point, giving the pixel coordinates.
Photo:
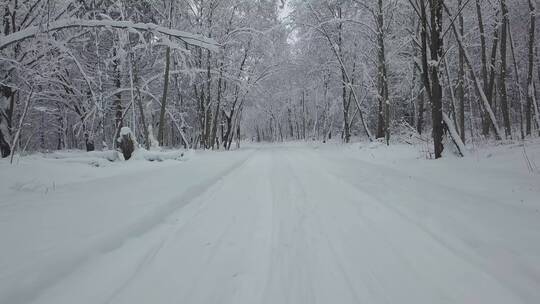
(383, 121)
(430, 71)
(303, 115)
(424, 49)
(135, 75)
(420, 107)
(483, 54)
(488, 73)
(161, 130)
(502, 76)
(17, 136)
(291, 127)
(215, 121)
(491, 82)
(461, 82)
(436, 50)
(345, 80)
(117, 104)
(5, 94)
(530, 72)
(517, 83)
(420, 115)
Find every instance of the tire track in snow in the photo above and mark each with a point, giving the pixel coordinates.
(337, 260)
(62, 269)
(453, 243)
(222, 230)
(240, 214)
(370, 289)
(139, 268)
(175, 231)
(290, 279)
(466, 257)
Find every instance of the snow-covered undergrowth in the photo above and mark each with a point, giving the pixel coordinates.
(508, 171)
(517, 156)
(159, 156)
(43, 172)
(96, 158)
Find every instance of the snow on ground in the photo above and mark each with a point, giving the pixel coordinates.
(291, 223)
(42, 172)
(59, 210)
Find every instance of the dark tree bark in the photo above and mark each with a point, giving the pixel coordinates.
(436, 51)
(461, 82)
(491, 82)
(502, 76)
(139, 101)
(430, 70)
(303, 115)
(117, 104)
(483, 54)
(5, 148)
(530, 72)
(424, 49)
(5, 120)
(421, 110)
(126, 145)
(344, 79)
(383, 121)
(213, 136)
(291, 127)
(89, 142)
(420, 107)
(161, 130)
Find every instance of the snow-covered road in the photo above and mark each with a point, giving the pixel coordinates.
(286, 224)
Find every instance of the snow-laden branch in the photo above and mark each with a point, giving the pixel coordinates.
(479, 88)
(29, 32)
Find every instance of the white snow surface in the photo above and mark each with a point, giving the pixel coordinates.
(291, 223)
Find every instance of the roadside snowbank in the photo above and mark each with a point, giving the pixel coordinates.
(509, 172)
(43, 172)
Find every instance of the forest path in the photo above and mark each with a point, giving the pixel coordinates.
(297, 225)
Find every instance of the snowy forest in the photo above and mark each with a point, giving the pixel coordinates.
(210, 73)
(269, 151)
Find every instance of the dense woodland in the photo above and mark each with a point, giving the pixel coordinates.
(206, 74)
